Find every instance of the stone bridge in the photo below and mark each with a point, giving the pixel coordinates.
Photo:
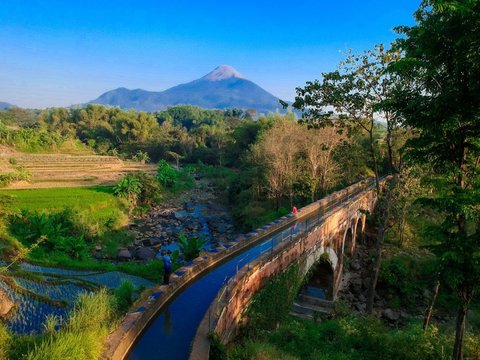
(330, 230)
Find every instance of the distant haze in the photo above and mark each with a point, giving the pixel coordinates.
(4, 105)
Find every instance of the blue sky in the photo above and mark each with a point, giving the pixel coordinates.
(58, 52)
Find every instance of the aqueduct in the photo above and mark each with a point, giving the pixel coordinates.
(328, 229)
(330, 234)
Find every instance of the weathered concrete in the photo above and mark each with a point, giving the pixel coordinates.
(333, 237)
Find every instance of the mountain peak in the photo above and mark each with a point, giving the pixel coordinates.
(223, 72)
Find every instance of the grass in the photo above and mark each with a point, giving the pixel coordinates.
(54, 199)
(83, 335)
(5, 340)
(96, 205)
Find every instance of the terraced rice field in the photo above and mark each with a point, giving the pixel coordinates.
(53, 293)
(58, 170)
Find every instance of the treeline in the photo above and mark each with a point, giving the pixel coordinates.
(182, 132)
(268, 164)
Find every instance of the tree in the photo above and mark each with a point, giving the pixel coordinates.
(359, 92)
(440, 96)
(276, 153)
(176, 157)
(318, 148)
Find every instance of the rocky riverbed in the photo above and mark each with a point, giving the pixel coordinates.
(197, 213)
(354, 289)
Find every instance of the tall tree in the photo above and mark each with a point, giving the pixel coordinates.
(318, 149)
(359, 93)
(440, 96)
(276, 153)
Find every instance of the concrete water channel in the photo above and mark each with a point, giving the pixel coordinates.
(169, 335)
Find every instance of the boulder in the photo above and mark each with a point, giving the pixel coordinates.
(355, 266)
(180, 215)
(155, 241)
(390, 315)
(145, 253)
(360, 307)
(6, 305)
(124, 254)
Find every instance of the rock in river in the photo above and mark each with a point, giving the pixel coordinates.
(145, 253)
(5, 304)
(124, 254)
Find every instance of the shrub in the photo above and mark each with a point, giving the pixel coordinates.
(30, 226)
(141, 156)
(259, 351)
(19, 175)
(190, 248)
(124, 296)
(75, 247)
(61, 233)
(129, 187)
(166, 174)
(149, 189)
(406, 276)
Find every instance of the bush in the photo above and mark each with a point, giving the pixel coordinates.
(31, 140)
(150, 192)
(190, 248)
(259, 351)
(141, 156)
(75, 247)
(60, 232)
(351, 337)
(19, 175)
(406, 276)
(166, 174)
(124, 296)
(128, 187)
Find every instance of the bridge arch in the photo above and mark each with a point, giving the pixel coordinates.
(321, 267)
(359, 229)
(348, 242)
(320, 282)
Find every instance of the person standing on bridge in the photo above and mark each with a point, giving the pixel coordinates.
(294, 212)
